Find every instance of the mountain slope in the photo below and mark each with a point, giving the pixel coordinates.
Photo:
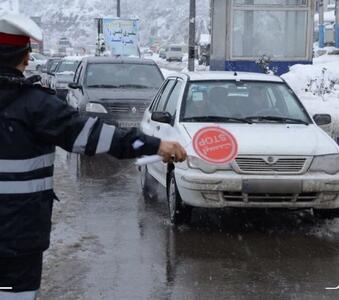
(166, 20)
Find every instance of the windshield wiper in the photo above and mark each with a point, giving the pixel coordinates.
(277, 119)
(103, 86)
(136, 86)
(216, 119)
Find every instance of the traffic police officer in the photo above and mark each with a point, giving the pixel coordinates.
(32, 122)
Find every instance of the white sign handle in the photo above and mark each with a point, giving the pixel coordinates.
(148, 160)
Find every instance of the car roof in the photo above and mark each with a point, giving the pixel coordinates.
(227, 75)
(73, 58)
(119, 60)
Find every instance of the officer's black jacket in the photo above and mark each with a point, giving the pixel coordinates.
(32, 122)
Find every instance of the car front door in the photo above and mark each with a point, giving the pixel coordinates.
(168, 131)
(157, 169)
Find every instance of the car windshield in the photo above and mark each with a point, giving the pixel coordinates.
(123, 75)
(243, 101)
(68, 66)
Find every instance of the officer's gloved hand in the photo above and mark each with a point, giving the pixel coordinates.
(172, 152)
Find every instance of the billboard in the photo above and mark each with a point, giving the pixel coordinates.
(121, 36)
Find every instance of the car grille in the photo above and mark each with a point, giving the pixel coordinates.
(132, 110)
(280, 166)
(256, 197)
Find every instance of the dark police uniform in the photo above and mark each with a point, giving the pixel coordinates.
(33, 122)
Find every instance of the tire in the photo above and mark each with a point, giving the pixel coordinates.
(329, 214)
(179, 212)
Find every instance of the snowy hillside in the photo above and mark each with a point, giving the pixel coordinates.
(9, 5)
(164, 19)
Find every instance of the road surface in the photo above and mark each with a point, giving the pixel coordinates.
(109, 242)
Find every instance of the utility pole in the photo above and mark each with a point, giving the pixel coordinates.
(321, 24)
(191, 42)
(118, 9)
(337, 24)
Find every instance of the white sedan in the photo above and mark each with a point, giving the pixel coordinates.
(284, 159)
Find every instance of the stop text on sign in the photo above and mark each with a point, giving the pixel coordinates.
(215, 145)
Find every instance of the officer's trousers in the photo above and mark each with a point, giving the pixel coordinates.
(20, 274)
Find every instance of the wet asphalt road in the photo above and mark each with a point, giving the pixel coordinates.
(109, 242)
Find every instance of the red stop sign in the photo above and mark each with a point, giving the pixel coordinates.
(215, 145)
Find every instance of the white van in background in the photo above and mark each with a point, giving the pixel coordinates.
(174, 53)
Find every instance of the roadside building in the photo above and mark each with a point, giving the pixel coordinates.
(243, 31)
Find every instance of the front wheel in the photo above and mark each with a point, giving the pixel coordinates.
(179, 212)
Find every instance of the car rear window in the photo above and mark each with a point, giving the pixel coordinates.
(123, 75)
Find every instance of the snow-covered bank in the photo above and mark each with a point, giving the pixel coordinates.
(317, 86)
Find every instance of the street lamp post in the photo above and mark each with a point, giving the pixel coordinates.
(191, 42)
(337, 24)
(321, 25)
(118, 9)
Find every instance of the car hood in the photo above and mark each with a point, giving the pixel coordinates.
(94, 94)
(275, 139)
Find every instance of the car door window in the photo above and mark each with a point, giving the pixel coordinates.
(164, 96)
(171, 104)
(157, 96)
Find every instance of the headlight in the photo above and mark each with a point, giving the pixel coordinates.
(326, 163)
(95, 108)
(197, 163)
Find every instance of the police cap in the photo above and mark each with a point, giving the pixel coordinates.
(16, 30)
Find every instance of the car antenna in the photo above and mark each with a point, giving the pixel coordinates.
(235, 73)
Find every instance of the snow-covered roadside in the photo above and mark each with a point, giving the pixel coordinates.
(325, 69)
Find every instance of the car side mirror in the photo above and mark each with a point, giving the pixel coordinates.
(162, 117)
(74, 86)
(322, 119)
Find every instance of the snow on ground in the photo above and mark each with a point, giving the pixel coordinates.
(324, 72)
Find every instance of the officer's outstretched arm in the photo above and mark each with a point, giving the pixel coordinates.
(59, 124)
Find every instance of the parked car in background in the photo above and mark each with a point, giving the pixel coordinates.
(117, 90)
(284, 159)
(63, 75)
(48, 70)
(36, 61)
(174, 53)
(162, 53)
